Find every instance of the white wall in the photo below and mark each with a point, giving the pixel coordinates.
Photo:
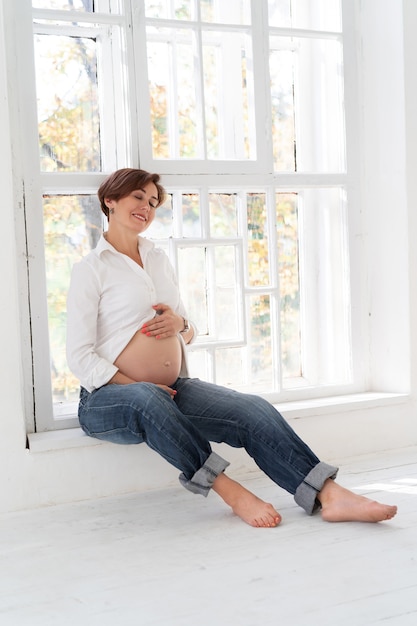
(389, 134)
(384, 193)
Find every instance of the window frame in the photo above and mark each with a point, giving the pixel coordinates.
(31, 184)
(200, 166)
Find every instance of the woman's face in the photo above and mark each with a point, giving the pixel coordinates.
(135, 211)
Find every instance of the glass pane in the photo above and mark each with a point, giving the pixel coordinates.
(229, 95)
(279, 13)
(162, 226)
(227, 321)
(209, 290)
(326, 293)
(177, 102)
(199, 364)
(72, 226)
(225, 11)
(258, 255)
(230, 12)
(192, 275)
(223, 214)
(70, 5)
(68, 112)
(288, 269)
(169, 9)
(282, 102)
(176, 119)
(261, 353)
(191, 218)
(309, 89)
(309, 14)
(89, 6)
(230, 368)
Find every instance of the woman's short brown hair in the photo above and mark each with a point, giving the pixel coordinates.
(122, 182)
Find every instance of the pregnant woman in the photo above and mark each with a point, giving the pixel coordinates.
(126, 337)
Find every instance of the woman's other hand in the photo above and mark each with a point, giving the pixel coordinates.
(171, 392)
(165, 324)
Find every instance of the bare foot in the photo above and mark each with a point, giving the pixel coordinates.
(341, 505)
(245, 504)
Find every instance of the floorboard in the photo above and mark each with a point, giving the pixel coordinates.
(167, 558)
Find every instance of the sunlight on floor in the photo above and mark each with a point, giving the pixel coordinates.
(403, 485)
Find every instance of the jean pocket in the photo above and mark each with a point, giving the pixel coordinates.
(84, 396)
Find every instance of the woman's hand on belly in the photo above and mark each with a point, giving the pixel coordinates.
(165, 324)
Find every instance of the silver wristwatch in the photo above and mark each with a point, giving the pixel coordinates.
(186, 326)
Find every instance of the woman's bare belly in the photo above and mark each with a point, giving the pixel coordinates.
(151, 360)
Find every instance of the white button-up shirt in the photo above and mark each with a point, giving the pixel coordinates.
(109, 299)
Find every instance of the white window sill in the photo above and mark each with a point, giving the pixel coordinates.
(75, 438)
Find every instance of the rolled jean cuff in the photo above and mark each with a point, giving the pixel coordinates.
(203, 479)
(306, 493)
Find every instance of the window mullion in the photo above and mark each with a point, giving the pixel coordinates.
(263, 119)
(275, 297)
(139, 74)
(173, 128)
(200, 93)
(106, 100)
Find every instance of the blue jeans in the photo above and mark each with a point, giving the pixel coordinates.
(181, 430)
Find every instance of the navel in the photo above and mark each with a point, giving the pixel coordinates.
(167, 363)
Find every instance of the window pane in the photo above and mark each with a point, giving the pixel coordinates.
(223, 214)
(309, 14)
(227, 320)
(78, 5)
(72, 226)
(191, 218)
(176, 119)
(230, 367)
(282, 104)
(89, 6)
(325, 289)
(260, 345)
(225, 11)
(68, 111)
(230, 12)
(192, 271)
(201, 107)
(162, 226)
(288, 269)
(307, 87)
(199, 362)
(170, 9)
(186, 207)
(228, 93)
(258, 254)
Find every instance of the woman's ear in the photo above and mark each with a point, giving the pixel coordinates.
(109, 204)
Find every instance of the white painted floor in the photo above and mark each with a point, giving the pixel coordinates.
(173, 559)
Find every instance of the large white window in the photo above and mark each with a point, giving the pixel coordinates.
(240, 105)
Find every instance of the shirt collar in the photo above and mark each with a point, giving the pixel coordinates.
(103, 245)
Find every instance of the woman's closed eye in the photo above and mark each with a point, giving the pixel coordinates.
(152, 204)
